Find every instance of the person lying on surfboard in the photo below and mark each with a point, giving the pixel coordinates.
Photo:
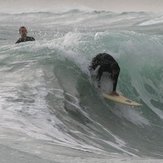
(104, 62)
(23, 33)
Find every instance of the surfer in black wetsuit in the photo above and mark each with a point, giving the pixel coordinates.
(23, 32)
(106, 63)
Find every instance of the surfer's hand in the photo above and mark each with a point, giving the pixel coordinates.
(90, 68)
(114, 93)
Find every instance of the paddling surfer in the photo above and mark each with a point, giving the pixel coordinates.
(23, 33)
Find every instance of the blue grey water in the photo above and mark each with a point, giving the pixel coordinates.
(49, 109)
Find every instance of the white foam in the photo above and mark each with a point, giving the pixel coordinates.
(154, 21)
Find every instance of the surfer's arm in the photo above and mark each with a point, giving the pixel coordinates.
(99, 72)
(32, 39)
(18, 41)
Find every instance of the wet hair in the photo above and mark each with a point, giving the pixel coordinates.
(22, 27)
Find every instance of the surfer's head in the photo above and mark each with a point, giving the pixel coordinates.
(23, 31)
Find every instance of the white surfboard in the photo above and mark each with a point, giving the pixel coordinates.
(121, 99)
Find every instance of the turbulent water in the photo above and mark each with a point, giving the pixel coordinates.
(49, 109)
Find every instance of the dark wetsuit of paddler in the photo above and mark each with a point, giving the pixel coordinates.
(25, 39)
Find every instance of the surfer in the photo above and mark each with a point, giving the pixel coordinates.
(23, 32)
(104, 62)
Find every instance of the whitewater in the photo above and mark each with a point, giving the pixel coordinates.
(50, 111)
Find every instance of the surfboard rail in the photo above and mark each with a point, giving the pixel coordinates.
(121, 99)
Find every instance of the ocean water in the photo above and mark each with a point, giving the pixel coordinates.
(50, 112)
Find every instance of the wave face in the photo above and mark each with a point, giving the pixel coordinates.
(48, 101)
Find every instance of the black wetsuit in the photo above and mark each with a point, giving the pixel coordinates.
(107, 64)
(25, 39)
